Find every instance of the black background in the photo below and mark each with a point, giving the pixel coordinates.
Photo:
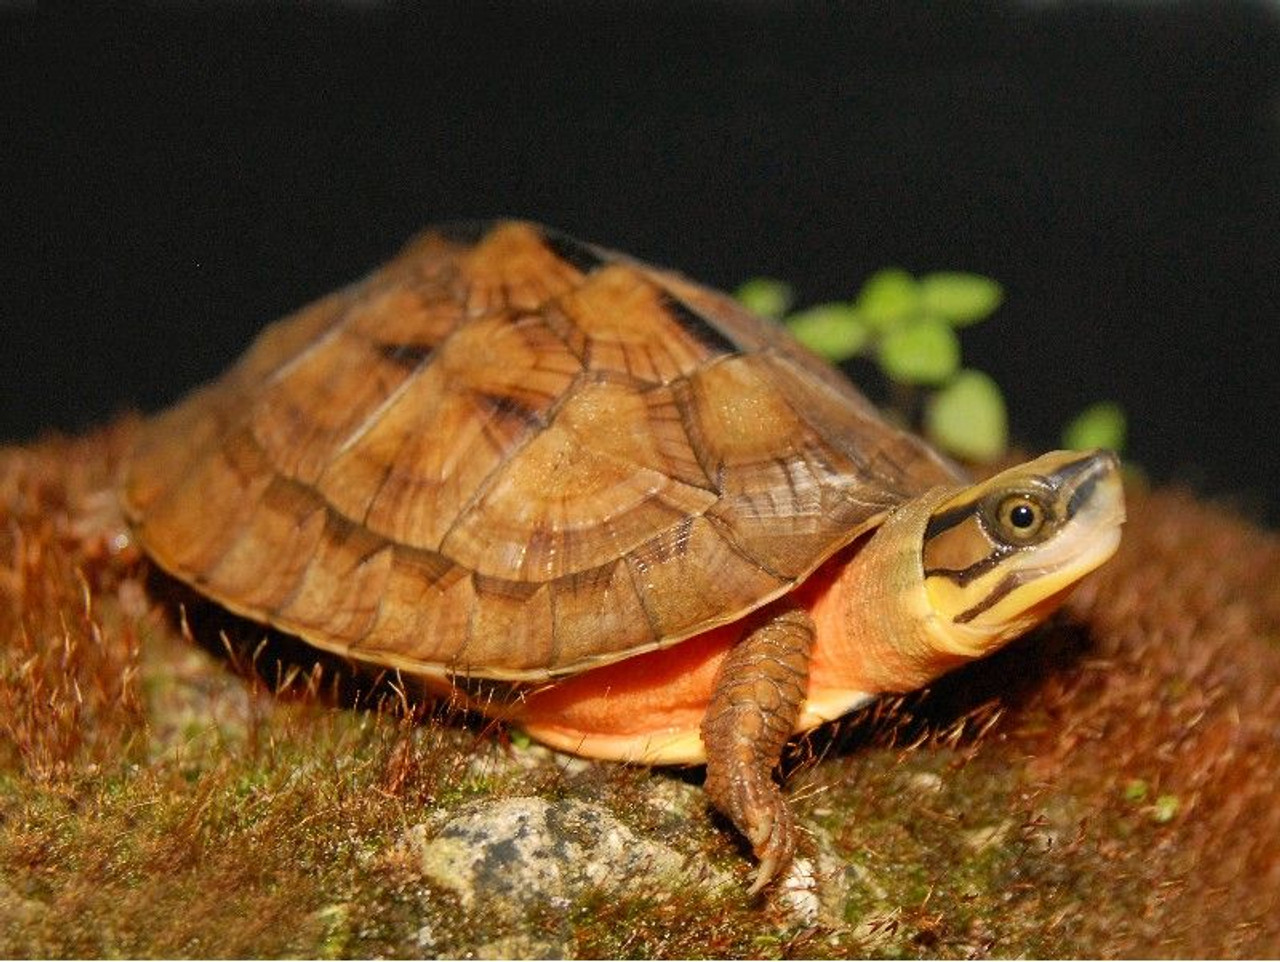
(176, 176)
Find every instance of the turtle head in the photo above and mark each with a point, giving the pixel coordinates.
(1001, 556)
(957, 572)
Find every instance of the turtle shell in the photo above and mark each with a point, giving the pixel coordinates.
(509, 454)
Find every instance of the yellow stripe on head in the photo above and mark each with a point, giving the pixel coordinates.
(1000, 556)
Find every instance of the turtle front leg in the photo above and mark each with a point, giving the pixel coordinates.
(752, 713)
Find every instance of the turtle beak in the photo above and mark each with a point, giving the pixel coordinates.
(1090, 490)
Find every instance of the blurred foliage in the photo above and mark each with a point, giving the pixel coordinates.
(907, 326)
(920, 351)
(967, 417)
(835, 330)
(1100, 425)
(766, 297)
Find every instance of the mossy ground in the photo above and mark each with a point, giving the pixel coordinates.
(168, 789)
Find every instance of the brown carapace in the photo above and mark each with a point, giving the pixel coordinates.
(511, 455)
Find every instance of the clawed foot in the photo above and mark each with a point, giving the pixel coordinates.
(756, 806)
(774, 844)
(751, 715)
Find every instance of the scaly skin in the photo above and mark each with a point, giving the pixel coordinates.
(752, 713)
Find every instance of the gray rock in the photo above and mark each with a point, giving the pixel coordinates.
(513, 854)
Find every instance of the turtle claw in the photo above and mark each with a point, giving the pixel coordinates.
(756, 805)
(776, 848)
(764, 875)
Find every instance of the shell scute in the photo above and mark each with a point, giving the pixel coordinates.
(520, 612)
(512, 267)
(263, 566)
(630, 325)
(692, 574)
(424, 612)
(602, 602)
(343, 586)
(586, 490)
(514, 455)
(313, 406)
(410, 470)
(226, 482)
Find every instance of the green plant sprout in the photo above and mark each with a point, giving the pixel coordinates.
(907, 326)
(1100, 425)
(766, 297)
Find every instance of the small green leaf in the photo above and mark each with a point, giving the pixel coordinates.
(958, 298)
(888, 298)
(923, 351)
(1165, 809)
(1135, 790)
(520, 738)
(967, 417)
(835, 330)
(766, 296)
(1100, 425)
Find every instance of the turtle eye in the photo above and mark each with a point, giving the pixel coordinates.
(1020, 518)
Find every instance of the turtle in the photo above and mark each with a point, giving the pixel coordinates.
(604, 503)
